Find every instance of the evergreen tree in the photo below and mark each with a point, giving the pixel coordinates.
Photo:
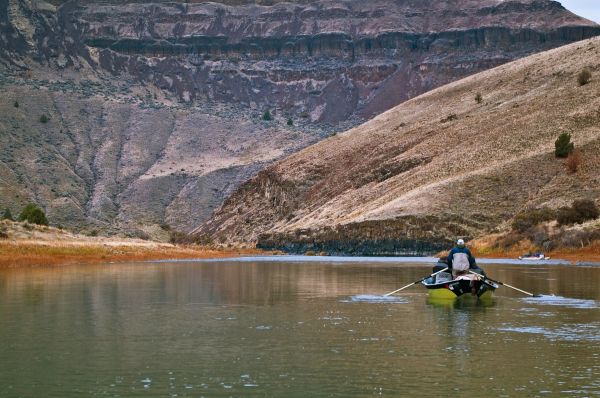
(584, 77)
(563, 145)
(16, 104)
(290, 122)
(33, 214)
(267, 115)
(7, 215)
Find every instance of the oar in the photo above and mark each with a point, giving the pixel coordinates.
(507, 285)
(414, 283)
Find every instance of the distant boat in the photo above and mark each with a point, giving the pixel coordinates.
(534, 257)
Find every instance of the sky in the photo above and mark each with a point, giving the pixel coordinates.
(589, 9)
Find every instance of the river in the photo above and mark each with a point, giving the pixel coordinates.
(293, 329)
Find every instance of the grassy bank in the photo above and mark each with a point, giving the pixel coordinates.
(26, 245)
(488, 248)
(27, 254)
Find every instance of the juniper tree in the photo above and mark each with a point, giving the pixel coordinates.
(563, 145)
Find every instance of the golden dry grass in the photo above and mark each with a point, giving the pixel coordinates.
(486, 248)
(31, 245)
(441, 154)
(27, 254)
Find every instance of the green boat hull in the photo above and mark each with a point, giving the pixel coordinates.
(450, 290)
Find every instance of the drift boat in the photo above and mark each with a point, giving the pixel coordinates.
(539, 257)
(443, 287)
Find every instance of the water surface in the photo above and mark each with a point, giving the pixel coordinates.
(293, 329)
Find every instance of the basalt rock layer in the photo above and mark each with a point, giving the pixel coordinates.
(154, 108)
(460, 160)
(330, 61)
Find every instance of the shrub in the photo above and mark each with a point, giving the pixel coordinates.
(563, 145)
(538, 236)
(509, 240)
(267, 115)
(141, 235)
(3, 232)
(16, 104)
(449, 118)
(582, 210)
(530, 218)
(165, 227)
(586, 208)
(573, 161)
(178, 237)
(290, 122)
(578, 238)
(478, 98)
(33, 214)
(44, 119)
(7, 215)
(584, 77)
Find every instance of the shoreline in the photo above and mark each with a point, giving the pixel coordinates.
(370, 260)
(24, 254)
(27, 254)
(26, 245)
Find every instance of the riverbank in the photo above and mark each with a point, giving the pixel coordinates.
(487, 248)
(26, 245)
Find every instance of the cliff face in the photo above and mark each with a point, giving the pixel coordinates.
(155, 107)
(438, 166)
(329, 60)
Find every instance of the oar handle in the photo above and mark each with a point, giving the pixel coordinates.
(415, 282)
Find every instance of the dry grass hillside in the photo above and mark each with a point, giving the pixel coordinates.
(437, 166)
(118, 124)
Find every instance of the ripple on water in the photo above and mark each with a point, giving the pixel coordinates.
(561, 301)
(573, 332)
(369, 298)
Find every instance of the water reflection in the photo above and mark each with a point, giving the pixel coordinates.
(280, 329)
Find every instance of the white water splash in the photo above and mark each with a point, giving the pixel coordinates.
(263, 327)
(370, 298)
(573, 332)
(562, 301)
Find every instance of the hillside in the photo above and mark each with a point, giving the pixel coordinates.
(154, 108)
(438, 166)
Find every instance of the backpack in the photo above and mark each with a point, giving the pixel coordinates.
(460, 262)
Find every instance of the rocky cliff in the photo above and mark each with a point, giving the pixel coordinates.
(330, 61)
(445, 164)
(154, 108)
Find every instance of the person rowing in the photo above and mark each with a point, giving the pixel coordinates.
(460, 261)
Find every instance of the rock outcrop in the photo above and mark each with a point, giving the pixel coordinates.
(329, 60)
(155, 107)
(445, 164)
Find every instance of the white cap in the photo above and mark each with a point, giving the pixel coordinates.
(460, 242)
